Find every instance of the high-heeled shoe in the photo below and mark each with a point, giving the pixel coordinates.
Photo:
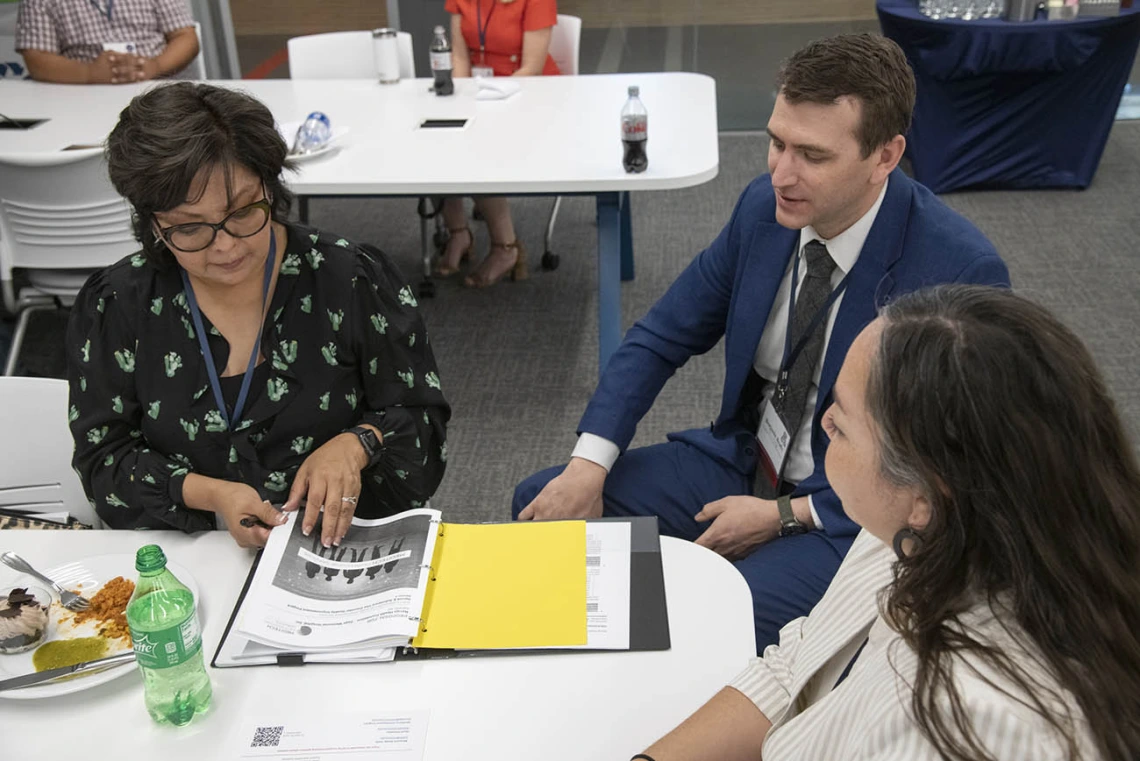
(444, 268)
(494, 268)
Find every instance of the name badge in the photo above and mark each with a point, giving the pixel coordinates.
(482, 71)
(774, 444)
(121, 47)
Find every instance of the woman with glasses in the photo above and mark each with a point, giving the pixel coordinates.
(990, 608)
(241, 361)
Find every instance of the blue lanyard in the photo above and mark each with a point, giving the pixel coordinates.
(482, 28)
(110, 8)
(208, 355)
(790, 352)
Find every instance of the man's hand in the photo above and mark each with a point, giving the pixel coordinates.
(575, 493)
(739, 525)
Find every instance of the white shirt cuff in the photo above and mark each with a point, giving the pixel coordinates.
(597, 450)
(814, 514)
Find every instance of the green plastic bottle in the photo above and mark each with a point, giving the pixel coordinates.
(163, 620)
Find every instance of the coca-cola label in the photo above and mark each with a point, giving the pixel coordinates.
(169, 647)
(634, 128)
(440, 61)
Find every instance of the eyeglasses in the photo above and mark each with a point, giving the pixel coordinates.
(196, 236)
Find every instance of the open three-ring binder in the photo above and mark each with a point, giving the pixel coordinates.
(413, 586)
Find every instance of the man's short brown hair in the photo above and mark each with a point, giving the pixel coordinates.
(868, 67)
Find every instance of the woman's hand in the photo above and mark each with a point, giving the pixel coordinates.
(330, 479)
(235, 502)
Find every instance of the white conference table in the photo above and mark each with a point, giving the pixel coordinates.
(572, 707)
(557, 136)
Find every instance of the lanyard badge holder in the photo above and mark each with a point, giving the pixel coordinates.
(481, 27)
(196, 313)
(773, 435)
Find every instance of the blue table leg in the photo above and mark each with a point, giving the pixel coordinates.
(609, 275)
(626, 239)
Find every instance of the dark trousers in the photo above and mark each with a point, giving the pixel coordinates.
(673, 481)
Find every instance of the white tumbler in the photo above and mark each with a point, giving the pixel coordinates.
(386, 54)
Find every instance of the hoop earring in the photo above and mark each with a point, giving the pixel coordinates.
(902, 535)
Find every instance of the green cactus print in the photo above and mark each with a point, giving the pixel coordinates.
(243, 425)
(278, 363)
(342, 243)
(135, 433)
(427, 420)
(276, 388)
(324, 402)
(233, 455)
(114, 501)
(302, 444)
(172, 362)
(379, 480)
(73, 414)
(411, 340)
(126, 360)
(406, 298)
(432, 380)
(180, 470)
(191, 427)
(156, 306)
(351, 399)
(257, 438)
(276, 481)
(402, 475)
(418, 445)
(278, 313)
(380, 323)
(215, 422)
(214, 332)
(181, 458)
(82, 383)
(200, 393)
(100, 305)
(117, 405)
(289, 351)
(336, 318)
(179, 300)
(138, 260)
(314, 237)
(189, 328)
(108, 461)
(415, 504)
(96, 435)
(153, 408)
(307, 304)
(373, 366)
(85, 352)
(291, 265)
(443, 452)
(409, 377)
(148, 478)
(315, 258)
(328, 351)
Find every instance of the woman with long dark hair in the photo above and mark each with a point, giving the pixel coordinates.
(990, 609)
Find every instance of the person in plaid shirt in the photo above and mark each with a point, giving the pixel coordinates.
(105, 41)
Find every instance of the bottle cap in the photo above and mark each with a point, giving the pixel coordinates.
(150, 558)
(634, 90)
(385, 32)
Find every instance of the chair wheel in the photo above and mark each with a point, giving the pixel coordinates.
(427, 289)
(550, 261)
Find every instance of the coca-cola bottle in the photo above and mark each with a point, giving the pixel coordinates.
(441, 63)
(634, 134)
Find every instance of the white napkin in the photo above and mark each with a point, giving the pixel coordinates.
(496, 88)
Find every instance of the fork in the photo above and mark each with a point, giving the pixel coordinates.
(69, 599)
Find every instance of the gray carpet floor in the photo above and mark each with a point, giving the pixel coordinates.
(519, 361)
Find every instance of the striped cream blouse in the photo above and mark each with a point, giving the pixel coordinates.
(867, 716)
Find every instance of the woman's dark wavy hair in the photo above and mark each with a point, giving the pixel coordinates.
(169, 134)
(997, 413)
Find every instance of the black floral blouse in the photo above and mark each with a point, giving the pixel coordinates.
(344, 344)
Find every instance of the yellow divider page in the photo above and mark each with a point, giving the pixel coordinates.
(507, 585)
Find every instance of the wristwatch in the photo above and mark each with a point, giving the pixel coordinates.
(789, 526)
(370, 442)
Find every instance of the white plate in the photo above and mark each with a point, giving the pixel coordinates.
(87, 576)
(288, 131)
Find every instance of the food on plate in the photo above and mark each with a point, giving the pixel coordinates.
(23, 621)
(108, 608)
(68, 652)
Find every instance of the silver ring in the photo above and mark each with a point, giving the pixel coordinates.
(350, 500)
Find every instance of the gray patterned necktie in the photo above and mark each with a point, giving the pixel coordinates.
(791, 402)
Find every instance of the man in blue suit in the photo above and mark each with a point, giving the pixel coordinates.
(811, 251)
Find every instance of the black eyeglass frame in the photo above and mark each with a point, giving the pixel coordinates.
(166, 232)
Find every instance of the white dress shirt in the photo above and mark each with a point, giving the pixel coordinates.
(844, 250)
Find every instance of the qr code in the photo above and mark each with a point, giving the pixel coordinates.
(267, 737)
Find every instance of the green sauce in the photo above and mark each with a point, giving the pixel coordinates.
(68, 652)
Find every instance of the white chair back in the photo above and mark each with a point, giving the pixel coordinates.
(565, 40)
(36, 449)
(196, 69)
(343, 55)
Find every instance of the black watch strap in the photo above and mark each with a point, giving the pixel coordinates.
(369, 441)
(789, 526)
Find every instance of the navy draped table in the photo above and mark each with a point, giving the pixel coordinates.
(1011, 104)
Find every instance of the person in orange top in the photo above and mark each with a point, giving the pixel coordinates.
(506, 38)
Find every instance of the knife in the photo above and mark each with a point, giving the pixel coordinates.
(78, 668)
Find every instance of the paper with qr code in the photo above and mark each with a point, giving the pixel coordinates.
(384, 735)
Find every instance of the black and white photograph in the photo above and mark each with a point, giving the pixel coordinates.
(370, 560)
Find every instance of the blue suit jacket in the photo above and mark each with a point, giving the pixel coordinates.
(728, 291)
